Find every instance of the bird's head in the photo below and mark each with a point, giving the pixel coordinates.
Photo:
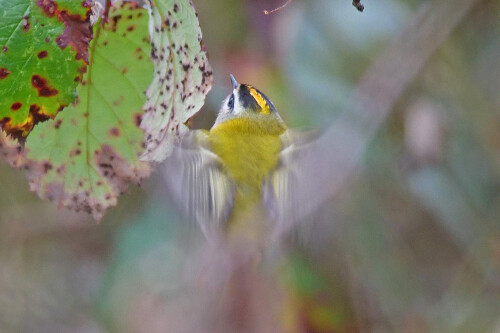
(245, 101)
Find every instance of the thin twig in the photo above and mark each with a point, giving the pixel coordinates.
(267, 12)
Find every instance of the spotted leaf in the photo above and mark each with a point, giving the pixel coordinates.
(182, 76)
(87, 155)
(43, 54)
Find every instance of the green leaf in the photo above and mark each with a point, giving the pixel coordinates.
(182, 77)
(43, 54)
(89, 153)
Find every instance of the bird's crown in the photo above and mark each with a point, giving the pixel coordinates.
(245, 101)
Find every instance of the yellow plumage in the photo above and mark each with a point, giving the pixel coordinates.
(249, 148)
(224, 175)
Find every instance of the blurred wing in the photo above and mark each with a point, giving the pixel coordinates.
(281, 189)
(196, 179)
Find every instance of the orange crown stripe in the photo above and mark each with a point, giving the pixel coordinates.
(260, 100)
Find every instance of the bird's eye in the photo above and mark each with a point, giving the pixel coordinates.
(230, 103)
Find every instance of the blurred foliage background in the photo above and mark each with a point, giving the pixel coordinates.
(410, 244)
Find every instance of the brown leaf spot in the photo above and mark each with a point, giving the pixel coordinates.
(49, 7)
(57, 124)
(118, 101)
(4, 121)
(5, 49)
(115, 170)
(37, 114)
(77, 33)
(61, 169)
(4, 72)
(75, 152)
(114, 21)
(114, 132)
(131, 27)
(40, 84)
(20, 131)
(42, 54)
(137, 119)
(26, 23)
(47, 166)
(16, 106)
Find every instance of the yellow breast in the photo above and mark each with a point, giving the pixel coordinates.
(249, 149)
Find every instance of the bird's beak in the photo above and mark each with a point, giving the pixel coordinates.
(233, 82)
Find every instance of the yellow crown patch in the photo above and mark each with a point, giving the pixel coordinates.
(260, 100)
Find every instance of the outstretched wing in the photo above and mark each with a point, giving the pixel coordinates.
(195, 178)
(282, 190)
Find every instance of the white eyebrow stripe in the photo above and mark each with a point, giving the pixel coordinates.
(237, 106)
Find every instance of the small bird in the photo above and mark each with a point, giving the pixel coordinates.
(236, 178)
(238, 181)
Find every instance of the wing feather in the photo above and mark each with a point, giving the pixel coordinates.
(197, 182)
(281, 191)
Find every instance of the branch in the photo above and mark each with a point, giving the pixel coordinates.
(267, 12)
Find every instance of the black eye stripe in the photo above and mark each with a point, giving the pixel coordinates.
(230, 103)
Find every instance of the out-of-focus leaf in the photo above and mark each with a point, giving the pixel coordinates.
(44, 52)
(89, 154)
(182, 76)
